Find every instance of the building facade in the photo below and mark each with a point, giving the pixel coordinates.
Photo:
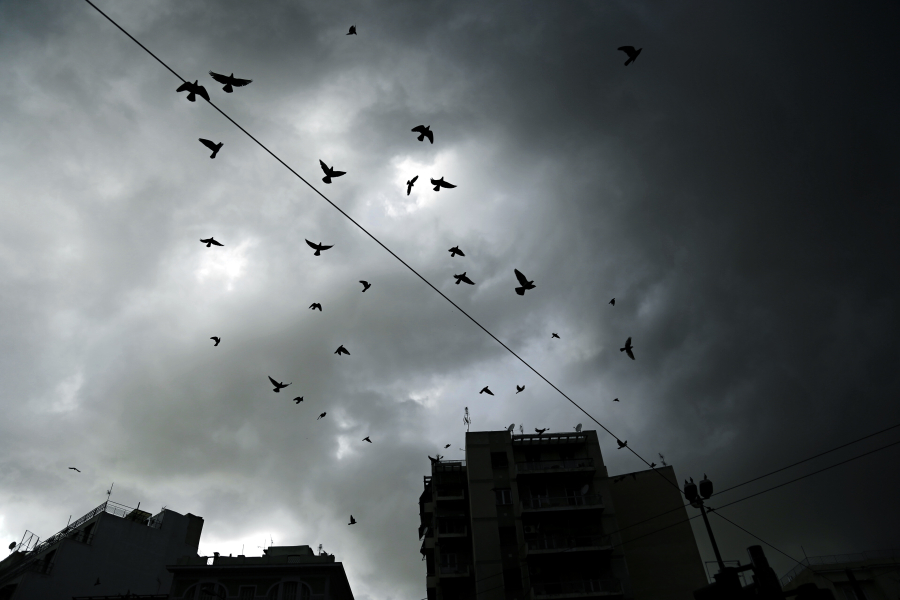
(536, 517)
(863, 576)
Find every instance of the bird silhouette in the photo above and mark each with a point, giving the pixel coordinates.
(523, 281)
(455, 250)
(330, 172)
(621, 444)
(229, 81)
(318, 247)
(216, 339)
(352, 521)
(298, 399)
(74, 469)
(278, 386)
(341, 350)
(320, 416)
(366, 439)
(424, 131)
(193, 88)
(511, 428)
(440, 183)
(352, 32)
(12, 545)
(652, 465)
(211, 242)
(366, 285)
(447, 446)
(540, 432)
(578, 428)
(613, 301)
(316, 306)
(615, 399)
(410, 183)
(628, 349)
(520, 388)
(485, 390)
(631, 52)
(212, 146)
(464, 279)
(555, 335)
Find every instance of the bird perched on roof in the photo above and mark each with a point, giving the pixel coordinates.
(652, 465)
(320, 416)
(316, 306)
(424, 131)
(352, 521)
(341, 350)
(440, 183)
(621, 444)
(410, 183)
(540, 432)
(511, 428)
(193, 88)
(366, 285)
(462, 278)
(555, 335)
(318, 247)
(366, 439)
(520, 388)
(212, 146)
(298, 399)
(523, 281)
(330, 172)
(578, 428)
(455, 250)
(278, 386)
(352, 30)
(229, 81)
(12, 545)
(216, 339)
(485, 390)
(613, 301)
(628, 349)
(211, 242)
(631, 52)
(74, 469)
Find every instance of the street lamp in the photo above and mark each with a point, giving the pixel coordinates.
(696, 497)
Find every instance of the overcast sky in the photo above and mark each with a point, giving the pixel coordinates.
(735, 189)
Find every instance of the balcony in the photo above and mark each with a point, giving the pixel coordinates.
(556, 544)
(452, 531)
(446, 571)
(576, 588)
(568, 465)
(573, 502)
(448, 494)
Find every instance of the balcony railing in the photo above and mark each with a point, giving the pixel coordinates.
(564, 543)
(450, 494)
(576, 587)
(544, 502)
(452, 531)
(555, 465)
(454, 570)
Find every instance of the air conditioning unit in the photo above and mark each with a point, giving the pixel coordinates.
(530, 529)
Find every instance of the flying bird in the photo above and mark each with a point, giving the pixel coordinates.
(652, 465)
(628, 349)
(578, 428)
(216, 339)
(193, 88)
(621, 444)
(211, 242)
(316, 306)
(366, 285)
(341, 350)
(352, 521)
(318, 247)
(352, 32)
(486, 390)
(74, 469)
(229, 81)
(410, 183)
(520, 388)
(523, 281)
(631, 52)
(298, 399)
(424, 131)
(540, 432)
(366, 439)
(464, 279)
(455, 250)
(330, 172)
(320, 416)
(555, 335)
(212, 146)
(440, 183)
(615, 399)
(278, 386)
(447, 446)
(613, 301)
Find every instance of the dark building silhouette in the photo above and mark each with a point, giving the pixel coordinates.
(536, 517)
(861, 576)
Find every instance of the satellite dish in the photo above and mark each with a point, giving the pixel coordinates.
(578, 428)
(12, 545)
(511, 428)
(584, 490)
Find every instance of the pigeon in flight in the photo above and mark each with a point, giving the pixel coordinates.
(229, 81)
(440, 183)
(352, 521)
(555, 335)
(211, 242)
(278, 386)
(316, 306)
(366, 285)
(298, 399)
(631, 52)
(621, 444)
(341, 350)
(613, 301)
(216, 339)
(330, 172)
(628, 349)
(352, 32)
(615, 399)
(540, 432)
(486, 390)
(366, 439)
(578, 428)
(74, 469)
(424, 131)
(410, 183)
(318, 247)
(520, 388)
(464, 279)
(523, 281)
(214, 147)
(320, 416)
(455, 250)
(193, 88)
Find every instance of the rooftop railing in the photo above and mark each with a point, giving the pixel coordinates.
(539, 502)
(835, 559)
(576, 586)
(565, 542)
(551, 465)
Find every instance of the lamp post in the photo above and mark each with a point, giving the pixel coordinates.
(696, 498)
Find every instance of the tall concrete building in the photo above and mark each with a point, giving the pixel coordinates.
(111, 550)
(536, 517)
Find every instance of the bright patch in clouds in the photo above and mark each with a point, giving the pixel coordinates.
(226, 264)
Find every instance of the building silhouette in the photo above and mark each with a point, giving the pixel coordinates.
(862, 576)
(536, 517)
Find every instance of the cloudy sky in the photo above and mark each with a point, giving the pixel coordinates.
(735, 189)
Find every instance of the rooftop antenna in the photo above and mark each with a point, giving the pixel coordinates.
(522, 429)
(320, 549)
(662, 459)
(109, 491)
(242, 549)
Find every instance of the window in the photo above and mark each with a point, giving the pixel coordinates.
(289, 591)
(504, 496)
(212, 591)
(247, 592)
(499, 460)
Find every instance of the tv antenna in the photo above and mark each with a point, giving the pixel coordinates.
(109, 491)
